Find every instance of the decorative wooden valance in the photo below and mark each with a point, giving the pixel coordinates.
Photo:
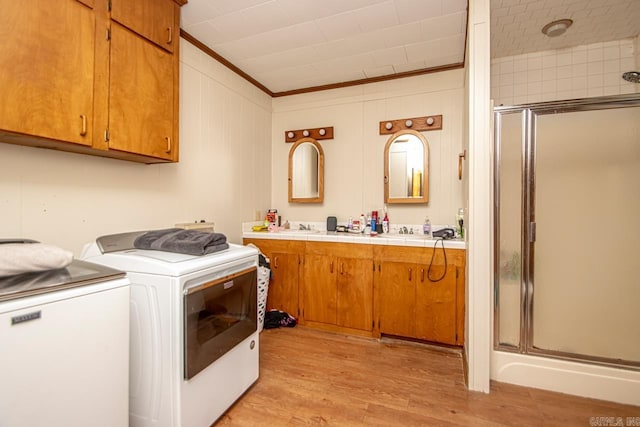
(388, 127)
(316, 133)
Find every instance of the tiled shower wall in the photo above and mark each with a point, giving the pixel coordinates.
(578, 72)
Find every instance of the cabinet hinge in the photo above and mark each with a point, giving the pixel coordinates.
(108, 5)
(106, 135)
(108, 34)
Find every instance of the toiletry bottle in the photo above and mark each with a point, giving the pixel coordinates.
(374, 220)
(460, 223)
(350, 223)
(363, 223)
(385, 223)
(426, 228)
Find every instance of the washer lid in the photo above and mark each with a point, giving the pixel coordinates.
(167, 263)
(78, 273)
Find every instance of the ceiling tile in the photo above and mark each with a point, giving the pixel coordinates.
(251, 21)
(447, 25)
(394, 55)
(339, 26)
(379, 71)
(378, 16)
(416, 10)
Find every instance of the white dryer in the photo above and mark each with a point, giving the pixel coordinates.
(194, 339)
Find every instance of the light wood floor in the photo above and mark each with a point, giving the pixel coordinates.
(310, 377)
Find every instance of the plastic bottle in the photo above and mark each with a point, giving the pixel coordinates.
(363, 223)
(385, 223)
(426, 228)
(350, 223)
(460, 223)
(374, 220)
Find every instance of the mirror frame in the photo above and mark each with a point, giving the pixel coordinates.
(320, 197)
(425, 175)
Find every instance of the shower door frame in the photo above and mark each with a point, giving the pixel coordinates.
(529, 114)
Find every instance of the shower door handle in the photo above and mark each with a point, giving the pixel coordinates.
(532, 232)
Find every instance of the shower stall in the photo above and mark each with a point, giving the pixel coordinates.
(567, 239)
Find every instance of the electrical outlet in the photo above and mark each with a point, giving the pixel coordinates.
(258, 215)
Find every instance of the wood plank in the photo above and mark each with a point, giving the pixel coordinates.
(310, 377)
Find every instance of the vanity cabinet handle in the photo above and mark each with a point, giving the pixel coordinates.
(275, 263)
(168, 139)
(342, 268)
(331, 267)
(83, 131)
(422, 274)
(409, 274)
(169, 35)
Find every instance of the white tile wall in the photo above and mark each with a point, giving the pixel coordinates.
(578, 72)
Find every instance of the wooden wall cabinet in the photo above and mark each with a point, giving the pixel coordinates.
(46, 70)
(285, 257)
(410, 304)
(337, 286)
(73, 78)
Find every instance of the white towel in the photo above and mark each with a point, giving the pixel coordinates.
(18, 258)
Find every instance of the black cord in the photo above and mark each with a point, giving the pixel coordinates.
(444, 273)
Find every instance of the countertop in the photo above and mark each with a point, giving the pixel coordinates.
(416, 240)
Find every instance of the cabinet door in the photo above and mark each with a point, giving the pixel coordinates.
(436, 305)
(397, 298)
(140, 96)
(283, 287)
(355, 293)
(152, 19)
(319, 283)
(46, 69)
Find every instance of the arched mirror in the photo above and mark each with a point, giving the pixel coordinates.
(406, 168)
(306, 172)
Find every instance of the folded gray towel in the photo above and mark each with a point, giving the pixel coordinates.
(192, 242)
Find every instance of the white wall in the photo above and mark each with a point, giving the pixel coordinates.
(224, 171)
(578, 72)
(354, 158)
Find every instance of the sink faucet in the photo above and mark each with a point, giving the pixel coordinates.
(403, 230)
(303, 227)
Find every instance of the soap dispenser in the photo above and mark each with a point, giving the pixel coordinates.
(426, 228)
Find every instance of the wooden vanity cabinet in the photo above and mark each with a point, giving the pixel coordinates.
(76, 76)
(337, 287)
(410, 301)
(285, 257)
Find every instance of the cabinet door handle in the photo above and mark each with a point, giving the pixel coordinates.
(275, 263)
(169, 35)
(331, 267)
(409, 274)
(342, 268)
(422, 274)
(83, 131)
(168, 139)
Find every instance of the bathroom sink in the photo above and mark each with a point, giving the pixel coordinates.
(402, 236)
(299, 231)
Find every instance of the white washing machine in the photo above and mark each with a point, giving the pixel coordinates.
(194, 339)
(64, 347)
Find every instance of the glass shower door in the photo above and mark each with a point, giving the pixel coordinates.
(585, 204)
